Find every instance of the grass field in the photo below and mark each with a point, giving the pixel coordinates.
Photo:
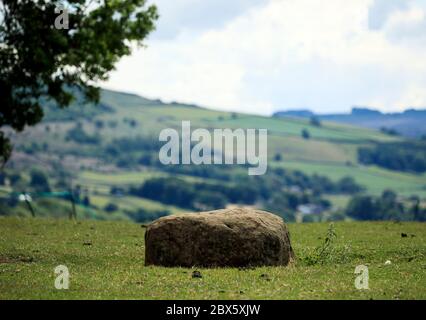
(129, 203)
(375, 179)
(106, 261)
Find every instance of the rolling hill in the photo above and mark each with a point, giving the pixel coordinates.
(110, 147)
(409, 123)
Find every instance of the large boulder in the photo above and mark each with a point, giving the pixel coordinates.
(222, 238)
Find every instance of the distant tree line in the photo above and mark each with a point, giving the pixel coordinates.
(389, 131)
(77, 134)
(385, 207)
(276, 179)
(181, 193)
(401, 156)
(281, 191)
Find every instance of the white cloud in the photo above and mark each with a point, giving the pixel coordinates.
(408, 27)
(380, 10)
(197, 15)
(288, 54)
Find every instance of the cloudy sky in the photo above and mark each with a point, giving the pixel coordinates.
(259, 56)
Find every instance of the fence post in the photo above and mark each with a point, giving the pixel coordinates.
(30, 207)
(74, 212)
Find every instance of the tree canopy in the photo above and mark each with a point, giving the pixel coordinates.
(40, 62)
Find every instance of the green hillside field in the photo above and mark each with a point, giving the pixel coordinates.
(330, 151)
(106, 261)
(332, 144)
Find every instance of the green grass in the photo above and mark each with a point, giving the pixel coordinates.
(112, 267)
(339, 201)
(130, 203)
(293, 127)
(298, 149)
(125, 178)
(119, 178)
(373, 178)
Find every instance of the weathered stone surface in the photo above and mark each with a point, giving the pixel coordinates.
(222, 238)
